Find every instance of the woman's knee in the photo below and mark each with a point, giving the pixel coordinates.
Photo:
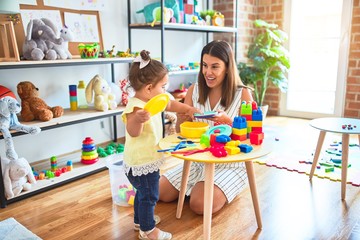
(167, 192)
(197, 199)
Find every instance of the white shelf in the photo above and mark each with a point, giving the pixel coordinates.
(72, 117)
(185, 27)
(58, 63)
(185, 72)
(79, 170)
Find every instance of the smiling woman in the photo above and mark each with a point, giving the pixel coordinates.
(218, 89)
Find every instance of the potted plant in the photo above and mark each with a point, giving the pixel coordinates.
(268, 61)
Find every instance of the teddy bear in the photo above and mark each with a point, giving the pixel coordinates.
(9, 107)
(39, 33)
(103, 98)
(18, 176)
(33, 107)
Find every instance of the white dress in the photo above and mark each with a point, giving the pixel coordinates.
(229, 177)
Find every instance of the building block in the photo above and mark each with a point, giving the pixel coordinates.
(222, 138)
(233, 143)
(232, 150)
(245, 148)
(242, 131)
(257, 115)
(246, 109)
(239, 122)
(254, 105)
(238, 137)
(255, 123)
(257, 129)
(256, 138)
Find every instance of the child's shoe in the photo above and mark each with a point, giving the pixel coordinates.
(161, 236)
(156, 218)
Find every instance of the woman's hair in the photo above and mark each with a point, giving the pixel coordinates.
(150, 72)
(223, 51)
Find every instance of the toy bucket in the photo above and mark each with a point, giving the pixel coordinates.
(122, 191)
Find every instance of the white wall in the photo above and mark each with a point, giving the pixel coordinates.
(53, 82)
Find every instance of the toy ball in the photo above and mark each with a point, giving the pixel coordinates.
(5, 92)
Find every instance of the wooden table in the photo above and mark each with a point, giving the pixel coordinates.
(209, 160)
(335, 125)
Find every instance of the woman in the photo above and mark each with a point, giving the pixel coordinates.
(220, 89)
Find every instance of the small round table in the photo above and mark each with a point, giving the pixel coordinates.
(345, 126)
(209, 160)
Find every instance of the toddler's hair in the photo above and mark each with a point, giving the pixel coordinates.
(152, 73)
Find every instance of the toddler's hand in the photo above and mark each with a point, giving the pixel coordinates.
(142, 115)
(190, 113)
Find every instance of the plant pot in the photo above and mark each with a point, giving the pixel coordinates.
(264, 110)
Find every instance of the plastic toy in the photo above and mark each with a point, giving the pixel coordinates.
(89, 50)
(157, 104)
(89, 153)
(53, 164)
(73, 97)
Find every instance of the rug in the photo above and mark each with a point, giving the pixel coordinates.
(10, 229)
(329, 165)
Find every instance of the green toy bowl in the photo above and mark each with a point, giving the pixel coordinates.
(89, 50)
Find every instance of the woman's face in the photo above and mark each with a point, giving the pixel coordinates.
(214, 71)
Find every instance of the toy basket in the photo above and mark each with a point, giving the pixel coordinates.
(89, 50)
(122, 191)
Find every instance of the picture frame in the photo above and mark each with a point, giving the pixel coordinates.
(9, 51)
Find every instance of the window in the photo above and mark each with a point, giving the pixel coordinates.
(318, 44)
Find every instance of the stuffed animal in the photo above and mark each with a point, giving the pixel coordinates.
(103, 99)
(38, 33)
(18, 176)
(9, 107)
(62, 50)
(124, 85)
(33, 107)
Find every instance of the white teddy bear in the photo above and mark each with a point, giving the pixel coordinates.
(18, 176)
(103, 99)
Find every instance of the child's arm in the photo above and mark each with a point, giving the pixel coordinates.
(135, 121)
(178, 107)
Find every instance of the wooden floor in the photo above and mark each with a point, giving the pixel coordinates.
(291, 206)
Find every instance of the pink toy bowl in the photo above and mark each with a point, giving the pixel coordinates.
(193, 129)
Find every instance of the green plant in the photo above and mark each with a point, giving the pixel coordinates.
(268, 61)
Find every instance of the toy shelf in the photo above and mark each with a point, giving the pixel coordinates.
(71, 118)
(60, 63)
(184, 72)
(79, 171)
(184, 27)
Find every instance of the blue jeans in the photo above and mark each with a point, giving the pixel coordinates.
(147, 194)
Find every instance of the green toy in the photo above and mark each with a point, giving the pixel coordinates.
(148, 10)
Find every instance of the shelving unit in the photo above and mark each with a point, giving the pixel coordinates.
(162, 27)
(69, 118)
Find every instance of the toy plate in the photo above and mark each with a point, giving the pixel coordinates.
(208, 114)
(223, 128)
(157, 104)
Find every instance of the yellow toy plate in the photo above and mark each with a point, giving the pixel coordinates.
(157, 104)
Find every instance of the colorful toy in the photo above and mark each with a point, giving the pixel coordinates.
(53, 164)
(89, 153)
(69, 166)
(73, 97)
(89, 50)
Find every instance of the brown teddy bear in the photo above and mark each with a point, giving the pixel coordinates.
(33, 107)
